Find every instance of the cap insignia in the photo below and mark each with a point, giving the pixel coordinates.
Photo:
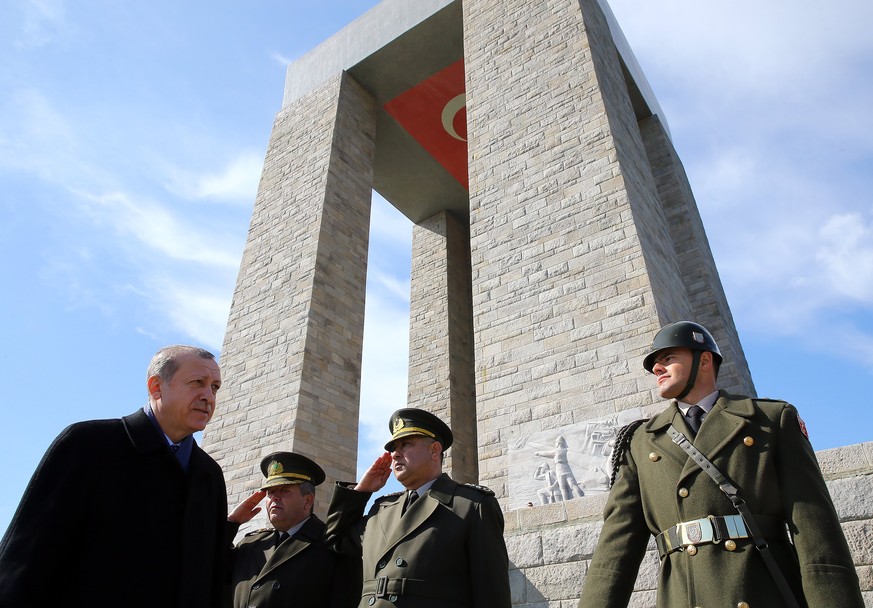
(697, 337)
(275, 468)
(398, 424)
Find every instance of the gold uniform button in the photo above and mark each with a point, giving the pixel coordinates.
(730, 545)
(683, 492)
(749, 441)
(654, 457)
(742, 605)
(692, 550)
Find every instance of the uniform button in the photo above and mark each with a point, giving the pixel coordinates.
(371, 601)
(730, 545)
(742, 605)
(683, 492)
(400, 561)
(654, 457)
(392, 598)
(256, 586)
(749, 441)
(692, 550)
(276, 585)
(382, 564)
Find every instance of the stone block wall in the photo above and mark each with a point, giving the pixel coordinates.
(292, 352)
(550, 546)
(574, 267)
(441, 336)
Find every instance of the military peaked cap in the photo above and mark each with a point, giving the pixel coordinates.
(284, 468)
(415, 421)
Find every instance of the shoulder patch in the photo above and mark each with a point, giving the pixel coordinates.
(485, 490)
(622, 442)
(802, 426)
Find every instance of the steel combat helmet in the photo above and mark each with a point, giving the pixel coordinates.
(684, 334)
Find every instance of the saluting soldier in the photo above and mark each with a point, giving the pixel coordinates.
(766, 535)
(439, 544)
(288, 564)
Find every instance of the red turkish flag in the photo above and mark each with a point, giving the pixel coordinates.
(434, 112)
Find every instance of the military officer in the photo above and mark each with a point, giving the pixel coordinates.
(439, 544)
(709, 556)
(288, 564)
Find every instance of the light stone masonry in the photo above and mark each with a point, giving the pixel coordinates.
(292, 353)
(440, 336)
(574, 267)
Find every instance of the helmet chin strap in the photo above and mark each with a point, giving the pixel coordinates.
(692, 377)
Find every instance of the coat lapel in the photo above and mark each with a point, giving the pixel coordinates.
(727, 419)
(397, 527)
(658, 426)
(311, 532)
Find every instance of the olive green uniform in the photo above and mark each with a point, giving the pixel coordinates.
(300, 571)
(446, 551)
(760, 446)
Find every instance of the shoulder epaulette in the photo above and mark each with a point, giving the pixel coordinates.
(259, 531)
(622, 442)
(484, 489)
(387, 496)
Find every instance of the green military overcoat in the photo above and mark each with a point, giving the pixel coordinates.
(301, 571)
(446, 551)
(761, 447)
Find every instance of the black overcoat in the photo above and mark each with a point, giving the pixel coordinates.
(110, 519)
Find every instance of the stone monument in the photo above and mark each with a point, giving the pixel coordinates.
(554, 233)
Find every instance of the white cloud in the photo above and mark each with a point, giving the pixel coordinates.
(281, 59)
(180, 238)
(236, 183)
(193, 307)
(845, 256)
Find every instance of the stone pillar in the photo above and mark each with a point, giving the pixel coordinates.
(441, 376)
(694, 257)
(292, 352)
(573, 263)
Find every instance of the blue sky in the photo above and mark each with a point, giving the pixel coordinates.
(132, 137)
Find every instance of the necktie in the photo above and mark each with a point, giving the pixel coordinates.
(693, 417)
(410, 498)
(282, 536)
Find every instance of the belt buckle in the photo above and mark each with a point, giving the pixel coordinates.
(382, 586)
(697, 531)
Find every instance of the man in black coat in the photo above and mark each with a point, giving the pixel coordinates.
(288, 564)
(126, 512)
